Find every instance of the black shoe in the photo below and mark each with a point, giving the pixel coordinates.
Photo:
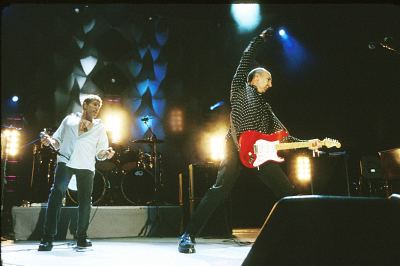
(186, 244)
(45, 245)
(83, 243)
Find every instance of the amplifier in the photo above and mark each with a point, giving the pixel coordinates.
(201, 177)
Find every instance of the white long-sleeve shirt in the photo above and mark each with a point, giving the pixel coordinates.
(81, 149)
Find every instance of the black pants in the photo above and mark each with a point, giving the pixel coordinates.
(84, 181)
(229, 170)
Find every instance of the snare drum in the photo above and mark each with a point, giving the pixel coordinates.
(129, 159)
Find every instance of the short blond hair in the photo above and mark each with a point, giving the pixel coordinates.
(92, 97)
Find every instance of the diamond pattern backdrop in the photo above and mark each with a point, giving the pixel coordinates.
(109, 55)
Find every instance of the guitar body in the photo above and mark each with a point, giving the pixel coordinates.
(257, 148)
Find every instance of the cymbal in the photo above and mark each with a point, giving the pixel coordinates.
(150, 141)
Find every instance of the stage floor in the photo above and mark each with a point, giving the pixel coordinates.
(131, 251)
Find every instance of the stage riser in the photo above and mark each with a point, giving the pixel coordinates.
(106, 222)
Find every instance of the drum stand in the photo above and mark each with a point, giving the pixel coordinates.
(156, 173)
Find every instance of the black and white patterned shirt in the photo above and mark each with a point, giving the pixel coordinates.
(249, 109)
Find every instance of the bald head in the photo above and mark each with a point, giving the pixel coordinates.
(260, 78)
(256, 71)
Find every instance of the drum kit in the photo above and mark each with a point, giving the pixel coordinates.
(131, 177)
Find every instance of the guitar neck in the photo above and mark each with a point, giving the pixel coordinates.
(292, 145)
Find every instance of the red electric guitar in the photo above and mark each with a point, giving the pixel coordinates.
(257, 148)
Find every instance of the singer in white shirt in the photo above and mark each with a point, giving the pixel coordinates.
(79, 141)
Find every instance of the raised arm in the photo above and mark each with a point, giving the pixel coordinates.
(239, 79)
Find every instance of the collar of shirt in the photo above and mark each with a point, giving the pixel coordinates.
(94, 122)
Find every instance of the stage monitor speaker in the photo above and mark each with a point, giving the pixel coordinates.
(329, 230)
(201, 178)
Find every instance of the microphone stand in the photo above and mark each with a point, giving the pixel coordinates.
(157, 180)
(154, 218)
(3, 177)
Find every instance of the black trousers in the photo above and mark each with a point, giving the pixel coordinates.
(84, 181)
(270, 173)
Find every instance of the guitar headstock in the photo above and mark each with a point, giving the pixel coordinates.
(329, 143)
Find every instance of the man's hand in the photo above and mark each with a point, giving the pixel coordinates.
(107, 154)
(46, 140)
(315, 144)
(267, 33)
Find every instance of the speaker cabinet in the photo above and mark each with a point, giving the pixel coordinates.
(201, 178)
(329, 174)
(329, 230)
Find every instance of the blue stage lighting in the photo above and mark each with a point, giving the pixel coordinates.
(15, 99)
(294, 52)
(247, 16)
(215, 106)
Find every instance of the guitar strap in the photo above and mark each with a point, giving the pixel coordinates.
(233, 134)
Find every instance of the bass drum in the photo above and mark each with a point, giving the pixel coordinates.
(99, 188)
(137, 186)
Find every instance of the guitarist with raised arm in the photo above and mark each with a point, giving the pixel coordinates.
(251, 141)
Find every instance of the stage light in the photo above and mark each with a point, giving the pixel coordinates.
(303, 169)
(10, 141)
(175, 121)
(76, 10)
(215, 106)
(113, 124)
(114, 118)
(294, 52)
(212, 144)
(15, 98)
(282, 33)
(247, 16)
(217, 147)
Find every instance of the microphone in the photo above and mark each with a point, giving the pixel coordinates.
(42, 134)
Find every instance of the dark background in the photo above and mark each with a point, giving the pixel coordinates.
(342, 90)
